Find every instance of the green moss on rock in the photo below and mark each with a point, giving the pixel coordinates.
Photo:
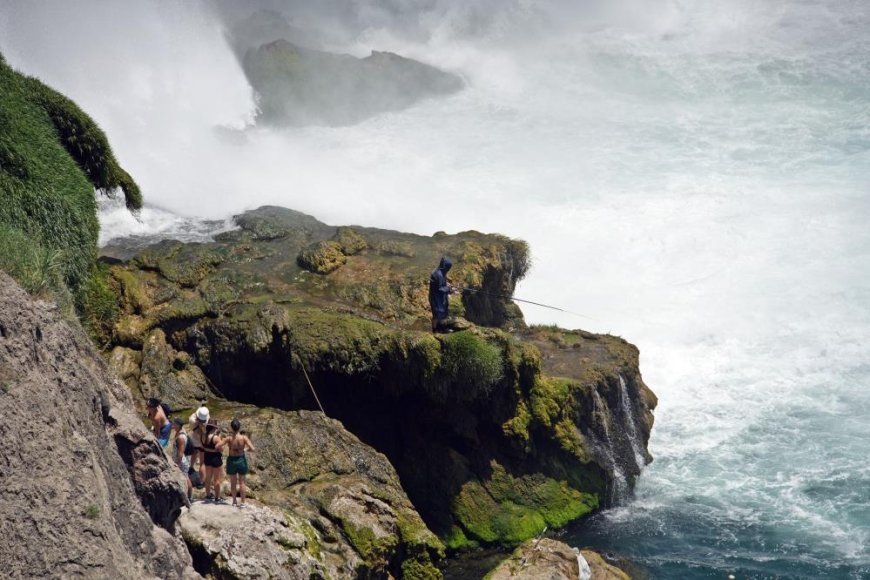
(471, 362)
(350, 241)
(508, 509)
(322, 258)
(375, 551)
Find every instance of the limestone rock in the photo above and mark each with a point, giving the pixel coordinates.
(72, 451)
(550, 559)
(168, 374)
(255, 542)
(601, 569)
(345, 496)
(539, 560)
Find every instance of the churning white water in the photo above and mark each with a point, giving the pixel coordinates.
(694, 176)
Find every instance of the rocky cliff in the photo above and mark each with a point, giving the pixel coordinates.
(86, 490)
(495, 431)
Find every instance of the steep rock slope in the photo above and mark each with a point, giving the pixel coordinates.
(79, 473)
(495, 431)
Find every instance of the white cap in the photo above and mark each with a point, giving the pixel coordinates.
(202, 414)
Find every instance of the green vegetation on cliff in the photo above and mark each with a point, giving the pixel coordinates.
(52, 157)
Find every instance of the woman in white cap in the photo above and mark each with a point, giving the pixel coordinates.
(198, 421)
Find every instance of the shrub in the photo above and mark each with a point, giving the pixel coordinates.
(91, 512)
(37, 269)
(97, 304)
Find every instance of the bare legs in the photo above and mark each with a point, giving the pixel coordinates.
(213, 480)
(237, 481)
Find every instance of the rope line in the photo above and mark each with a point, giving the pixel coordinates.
(311, 386)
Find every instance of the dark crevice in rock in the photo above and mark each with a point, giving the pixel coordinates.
(203, 561)
(142, 459)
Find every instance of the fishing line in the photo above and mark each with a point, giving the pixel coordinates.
(504, 296)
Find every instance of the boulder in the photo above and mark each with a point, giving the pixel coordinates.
(255, 542)
(549, 559)
(539, 560)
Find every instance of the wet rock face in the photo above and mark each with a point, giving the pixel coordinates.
(301, 86)
(69, 506)
(520, 427)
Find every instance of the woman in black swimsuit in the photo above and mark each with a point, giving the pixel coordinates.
(213, 445)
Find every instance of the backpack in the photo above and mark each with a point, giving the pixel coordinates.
(189, 449)
(167, 410)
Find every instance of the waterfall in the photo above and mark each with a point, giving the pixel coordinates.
(604, 449)
(631, 429)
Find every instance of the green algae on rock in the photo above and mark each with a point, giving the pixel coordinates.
(495, 431)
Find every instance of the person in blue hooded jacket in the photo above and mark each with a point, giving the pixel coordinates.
(439, 290)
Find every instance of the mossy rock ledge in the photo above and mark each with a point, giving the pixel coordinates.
(495, 432)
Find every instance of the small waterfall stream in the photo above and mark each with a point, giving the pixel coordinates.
(630, 420)
(604, 449)
(617, 441)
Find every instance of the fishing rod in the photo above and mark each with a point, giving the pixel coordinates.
(506, 297)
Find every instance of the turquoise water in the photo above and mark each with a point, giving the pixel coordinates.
(693, 176)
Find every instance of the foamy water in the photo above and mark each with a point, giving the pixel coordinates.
(694, 178)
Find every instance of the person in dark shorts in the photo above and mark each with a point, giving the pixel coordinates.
(213, 445)
(237, 461)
